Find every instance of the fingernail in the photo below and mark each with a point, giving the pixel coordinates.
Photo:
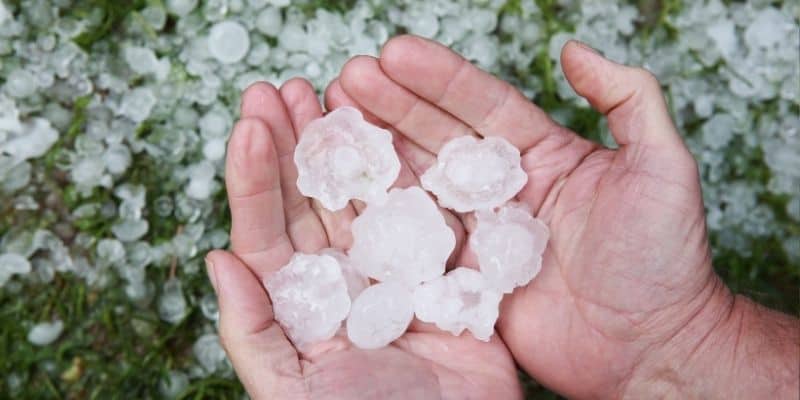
(211, 273)
(586, 47)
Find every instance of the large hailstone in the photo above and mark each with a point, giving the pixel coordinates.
(472, 174)
(402, 240)
(355, 280)
(509, 243)
(380, 315)
(462, 299)
(309, 298)
(341, 157)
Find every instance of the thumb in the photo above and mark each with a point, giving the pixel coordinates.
(630, 97)
(262, 356)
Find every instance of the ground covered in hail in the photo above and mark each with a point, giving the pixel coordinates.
(114, 118)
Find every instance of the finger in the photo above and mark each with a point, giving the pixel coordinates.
(262, 356)
(630, 97)
(261, 100)
(363, 81)
(258, 228)
(303, 107)
(489, 105)
(417, 158)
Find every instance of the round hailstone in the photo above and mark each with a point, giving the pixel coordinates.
(214, 149)
(138, 104)
(341, 157)
(356, 281)
(20, 83)
(509, 244)
(405, 239)
(228, 42)
(12, 264)
(309, 297)
(45, 333)
(471, 174)
(181, 7)
(380, 315)
(460, 300)
(269, 21)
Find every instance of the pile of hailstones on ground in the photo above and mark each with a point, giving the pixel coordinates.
(395, 268)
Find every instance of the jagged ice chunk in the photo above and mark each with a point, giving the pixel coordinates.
(309, 297)
(509, 244)
(380, 315)
(355, 280)
(472, 174)
(462, 299)
(405, 239)
(341, 157)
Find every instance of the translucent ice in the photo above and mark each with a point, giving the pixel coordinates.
(37, 136)
(137, 104)
(181, 7)
(403, 240)
(355, 280)
(209, 353)
(228, 42)
(45, 333)
(341, 157)
(472, 174)
(380, 315)
(173, 384)
(20, 83)
(172, 305)
(269, 21)
(509, 244)
(12, 264)
(309, 296)
(462, 299)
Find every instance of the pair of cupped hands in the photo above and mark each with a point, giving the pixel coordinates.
(626, 275)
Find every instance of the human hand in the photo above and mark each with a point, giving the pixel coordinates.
(627, 292)
(270, 221)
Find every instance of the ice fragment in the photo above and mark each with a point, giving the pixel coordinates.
(12, 264)
(341, 157)
(45, 333)
(405, 239)
(380, 315)
(509, 244)
(462, 299)
(309, 296)
(472, 174)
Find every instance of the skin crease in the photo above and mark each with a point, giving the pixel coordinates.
(627, 303)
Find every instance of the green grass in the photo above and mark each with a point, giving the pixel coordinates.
(113, 348)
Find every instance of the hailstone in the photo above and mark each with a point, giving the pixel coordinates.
(341, 157)
(380, 314)
(462, 299)
(472, 174)
(356, 281)
(405, 239)
(309, 298)
(509, 243)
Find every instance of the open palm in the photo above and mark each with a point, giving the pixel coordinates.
(270, 221)
(627, 266)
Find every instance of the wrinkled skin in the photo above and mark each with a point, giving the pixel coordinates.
(626, 270)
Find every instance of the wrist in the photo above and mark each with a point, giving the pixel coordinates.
(731, 348)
